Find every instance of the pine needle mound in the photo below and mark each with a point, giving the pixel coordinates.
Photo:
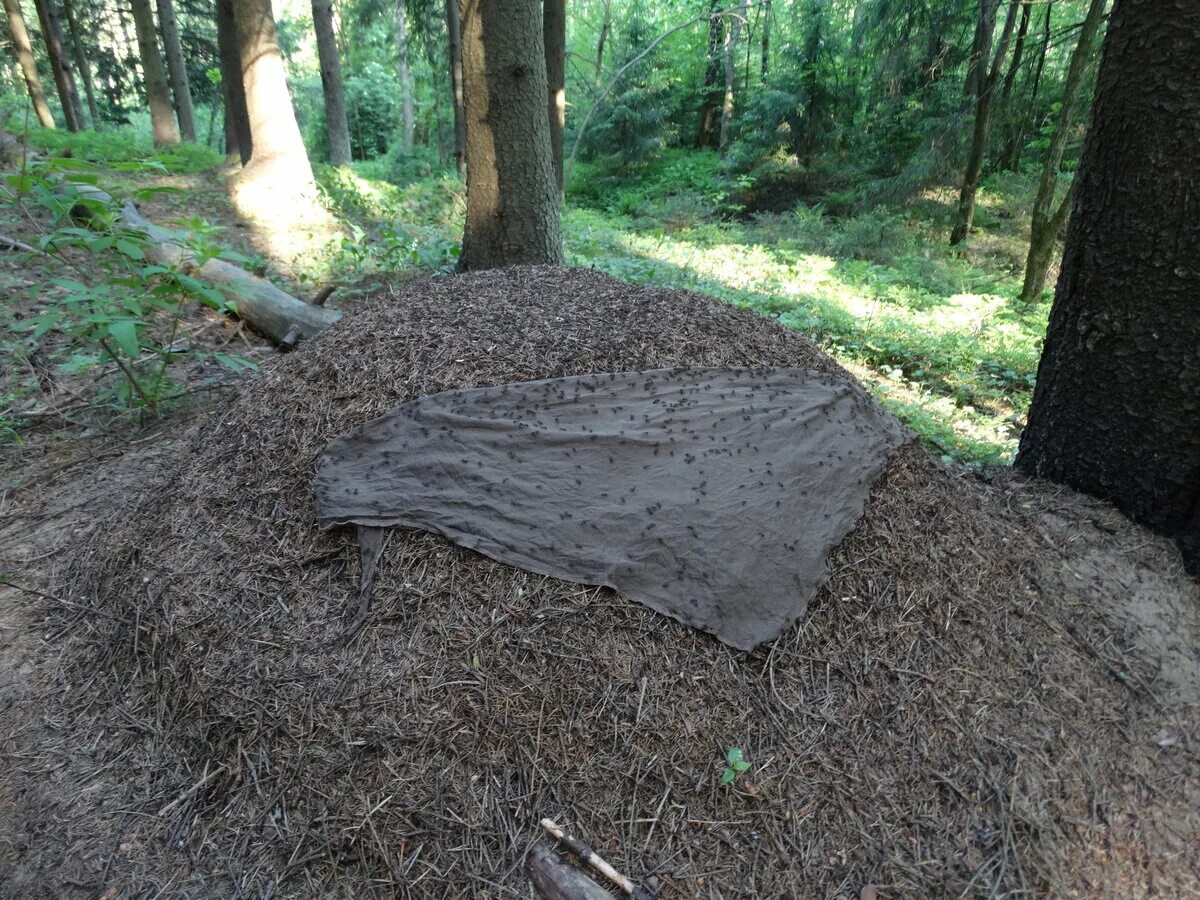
(940, 723)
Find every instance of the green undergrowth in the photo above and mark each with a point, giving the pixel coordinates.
(122, 148)
(937, 333)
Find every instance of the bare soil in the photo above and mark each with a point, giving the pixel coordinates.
(997, 692)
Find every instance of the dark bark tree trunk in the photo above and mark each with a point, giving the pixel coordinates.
(454, 61)
(233, 91)
(24, 52)
(1116, 412)
(331, 83)
(81, 63)
(177, 69)
(709, 133)
(60, 64)
(154, 76)
(765, 67)
(512, 205)
(554, 35)
(984, 83)
(1047, 221)
(404, 71)
(277, 183)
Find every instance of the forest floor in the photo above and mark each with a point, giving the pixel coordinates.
(936, 334)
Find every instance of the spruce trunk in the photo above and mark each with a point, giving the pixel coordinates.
(177, 69)
(512, 204)
(154, 76)
(554, 35)
(233, 91)
(60, 64)
(25, 59)
(331, 83)
(1116, 412)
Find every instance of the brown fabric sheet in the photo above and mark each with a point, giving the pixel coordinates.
(711, 495)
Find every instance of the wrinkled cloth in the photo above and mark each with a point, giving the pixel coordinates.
(711, 495)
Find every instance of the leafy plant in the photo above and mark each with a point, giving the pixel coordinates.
(107, 304)
(735, 765)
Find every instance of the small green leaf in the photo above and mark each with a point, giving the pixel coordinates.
(734, 756)
(130, 249)
(124, 332)
(727, 776)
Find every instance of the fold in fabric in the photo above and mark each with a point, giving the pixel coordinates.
(711, 495)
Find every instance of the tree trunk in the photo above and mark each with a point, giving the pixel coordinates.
(512, 206)
(81, 62)
(1008, 119)
(404, 71)
(984, 81)
(731, 39)
(454, 61)
(331, 83)
(233, 91)
(60, 64)
(602, 39)
(765, 68)
(1011, 155)
(177, 69)
(24, 52)
(154, 76)
(1116, 412)
(709, 134)
(554, 37)
(276, 187)
(1046, 222)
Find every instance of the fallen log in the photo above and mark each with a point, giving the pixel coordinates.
(272, 312)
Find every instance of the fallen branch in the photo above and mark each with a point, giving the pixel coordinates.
(270, 311)
(12, 244)
(591, 857)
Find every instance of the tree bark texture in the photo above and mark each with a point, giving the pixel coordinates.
(60, 64)
(709, 132)
(512, 204)
(277, 182)
(154, 76)
(177, 69)
(408, 121)
(1046, 221)
(1116, 411)
(454, 62)
(984, 84)
(731, 39)
(765, 63)
(25, 59)
(554, 37)
(237, 119)
(81, 62)
(331, 83)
